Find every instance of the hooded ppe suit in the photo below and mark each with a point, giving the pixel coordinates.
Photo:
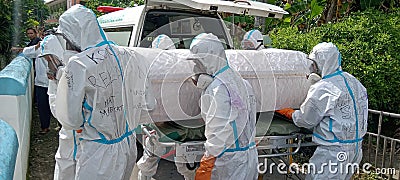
(148, 163)
(89, 98)
(162, 41)
(68, 144)
(228, 109)
(336, 108)
(253, 40)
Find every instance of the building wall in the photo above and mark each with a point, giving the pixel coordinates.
(57, 7)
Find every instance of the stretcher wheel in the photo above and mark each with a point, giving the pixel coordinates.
(196, 164)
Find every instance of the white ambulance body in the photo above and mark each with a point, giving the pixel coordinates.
(181, 20)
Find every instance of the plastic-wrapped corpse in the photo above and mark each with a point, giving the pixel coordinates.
(278, 78)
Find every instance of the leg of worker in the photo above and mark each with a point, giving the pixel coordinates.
(43, 107)
(65, 156)
(148, 163)
(356, 159)
(180, 164)
(131, 158)
(104, 165)
(326, 163)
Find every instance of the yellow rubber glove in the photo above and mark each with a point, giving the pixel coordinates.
(287, 112)
(205, 169)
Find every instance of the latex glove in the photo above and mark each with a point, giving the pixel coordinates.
(205, 169)
(287, 112)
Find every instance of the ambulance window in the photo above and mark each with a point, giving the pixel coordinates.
(120, 35)
(181, 27)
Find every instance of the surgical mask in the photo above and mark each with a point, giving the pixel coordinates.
(313, 78)
(314, 75)
(202, 81)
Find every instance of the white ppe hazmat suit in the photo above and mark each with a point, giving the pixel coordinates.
(68, 143)
(336, 108)
(148, 163)
(252, 40)
(228, 109)
(162, 41)
(89, 96)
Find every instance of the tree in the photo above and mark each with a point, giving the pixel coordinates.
(16, 16)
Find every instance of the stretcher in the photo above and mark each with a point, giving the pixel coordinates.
(278, 80)
(276, 136)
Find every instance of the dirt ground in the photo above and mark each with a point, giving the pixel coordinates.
(42, 150)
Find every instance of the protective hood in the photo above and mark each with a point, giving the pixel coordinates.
(327, 57)
(51, 45)
(79, 25)
(162, 41)
(207, 50)
(253, 40)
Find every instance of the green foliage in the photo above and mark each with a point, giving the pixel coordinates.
(15, 17)
(303, 14)
(369, 43)
(6, 29)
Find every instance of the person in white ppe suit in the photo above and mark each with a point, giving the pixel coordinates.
(148, 163)
(162, 41)
(252, 40)
(89, 97)
(228, 109)
(336, 108)
(68, 144)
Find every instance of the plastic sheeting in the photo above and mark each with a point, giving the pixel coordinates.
(278, 78)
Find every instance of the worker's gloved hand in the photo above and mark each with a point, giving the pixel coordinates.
(205, 169)
(287, 112)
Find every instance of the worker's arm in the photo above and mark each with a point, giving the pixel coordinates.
(216, 106)
(70, 95)
(320, 102)
(31, 51)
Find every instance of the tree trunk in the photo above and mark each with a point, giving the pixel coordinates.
(331, 10)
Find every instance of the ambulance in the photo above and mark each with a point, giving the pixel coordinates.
(181, 20)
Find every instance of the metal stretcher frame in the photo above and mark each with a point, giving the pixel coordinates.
(275, 143)
(272, 143)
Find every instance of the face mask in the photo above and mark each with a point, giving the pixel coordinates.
(313, 78)
(202, 81)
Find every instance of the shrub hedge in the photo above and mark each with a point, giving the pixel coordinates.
(370, 45)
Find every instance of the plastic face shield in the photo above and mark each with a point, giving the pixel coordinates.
(248, 45)
(66, 44)
(313, 67)
(54, 64)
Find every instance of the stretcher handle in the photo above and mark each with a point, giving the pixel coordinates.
(285, 154)
(152, 137)
(195, 164)
(241, 1)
